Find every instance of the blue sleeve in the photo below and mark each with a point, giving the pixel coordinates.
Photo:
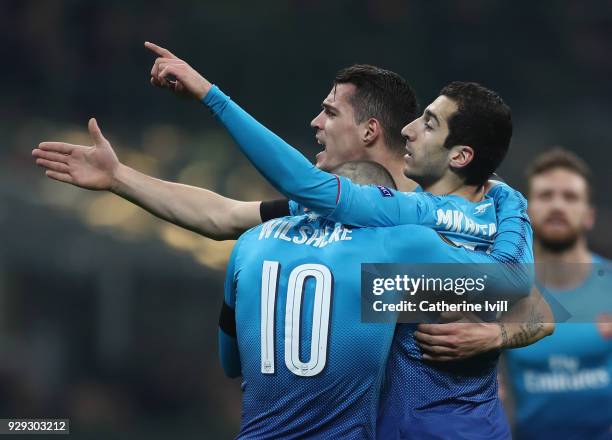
(514, 238)
(229, 355)
(376, 205)
(513, 245)
(228, 345)
(294, 176)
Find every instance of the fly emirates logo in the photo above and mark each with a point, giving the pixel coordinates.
(307, 235)
(564, 375)
(454, 220)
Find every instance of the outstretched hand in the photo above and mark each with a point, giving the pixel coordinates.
(91, 167)
(170, 72)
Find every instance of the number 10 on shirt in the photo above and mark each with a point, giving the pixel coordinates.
(320, 316)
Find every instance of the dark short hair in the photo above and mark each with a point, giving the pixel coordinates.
(483, 121)
(365, 172)
(383, 95)
(559, 157)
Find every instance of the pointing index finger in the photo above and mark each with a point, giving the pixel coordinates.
(159, 50)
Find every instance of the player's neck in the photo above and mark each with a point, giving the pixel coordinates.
(565, 270)
(452, 185)
(395, 165)
(403, 183)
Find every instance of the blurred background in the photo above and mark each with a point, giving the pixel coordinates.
(108, 315)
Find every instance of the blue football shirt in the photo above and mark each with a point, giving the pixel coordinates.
(562, 385)
(310, 367)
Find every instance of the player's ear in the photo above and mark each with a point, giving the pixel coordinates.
(460, 156)
(371, 131)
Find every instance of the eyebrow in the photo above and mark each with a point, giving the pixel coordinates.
(328, 106)
(432, 115)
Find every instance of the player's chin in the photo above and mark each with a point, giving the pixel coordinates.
(409, 171)
(321, 161)
(558, 241)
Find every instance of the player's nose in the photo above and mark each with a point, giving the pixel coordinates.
(317, 122)
(408, 132)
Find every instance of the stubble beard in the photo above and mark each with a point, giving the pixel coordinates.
(558, 244)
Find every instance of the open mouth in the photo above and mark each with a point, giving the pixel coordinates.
(321, 153)
(408, 151)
